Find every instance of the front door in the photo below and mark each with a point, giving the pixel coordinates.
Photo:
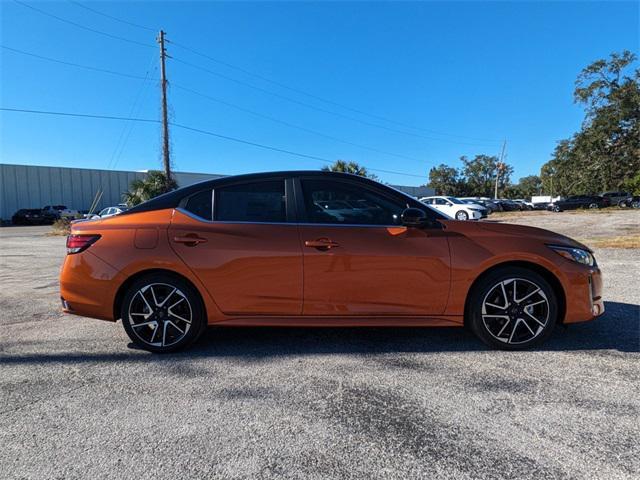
(359, 260)
(244, 249)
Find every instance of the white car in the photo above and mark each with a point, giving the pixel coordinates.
(110, 212)
(456, 208)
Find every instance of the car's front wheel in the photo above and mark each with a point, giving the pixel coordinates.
(162, 313)
(512, 309)
(593, 205)
(462, 215)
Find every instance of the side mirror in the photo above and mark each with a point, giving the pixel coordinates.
(414, 217)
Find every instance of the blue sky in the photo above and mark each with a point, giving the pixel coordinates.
(455, 78)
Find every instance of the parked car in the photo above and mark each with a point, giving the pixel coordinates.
(486, 203)
(110, 211)
(455, 208)
(61, 211)
(508, 205)
(254, 250)
(524, 205)
(632, 201)
(579, 201)
(31, 216)
(615, 197)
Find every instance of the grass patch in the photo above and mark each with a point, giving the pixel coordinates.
(624, 241)
(61, 227)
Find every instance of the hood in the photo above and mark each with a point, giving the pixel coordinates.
(508, 230)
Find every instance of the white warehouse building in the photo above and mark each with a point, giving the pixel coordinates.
(32, 186)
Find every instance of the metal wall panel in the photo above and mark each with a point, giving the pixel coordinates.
(30, 186)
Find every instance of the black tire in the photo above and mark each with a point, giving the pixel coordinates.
(556, 208)
(159, 289)
(519, 331)
(622, 204)
(462, 215)
(593, 205)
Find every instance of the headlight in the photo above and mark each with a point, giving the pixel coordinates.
(576, 254)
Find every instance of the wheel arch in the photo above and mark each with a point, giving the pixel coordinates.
(540, 270)
(117, 302)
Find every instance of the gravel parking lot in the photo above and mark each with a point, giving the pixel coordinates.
(77, 402)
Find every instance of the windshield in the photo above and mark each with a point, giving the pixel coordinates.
(454, 200)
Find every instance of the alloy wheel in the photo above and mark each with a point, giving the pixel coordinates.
(593, 205)
(160, 315)
(515, 311)
(461, 215)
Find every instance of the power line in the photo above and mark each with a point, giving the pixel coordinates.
(84, 27)
(311, 95)
(197, 130)
(71, 64)
(314, 107)
(291, 125)
(78, 4)
(218, 100)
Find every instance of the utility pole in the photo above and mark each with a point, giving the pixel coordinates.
(499, 168)
(165, 122)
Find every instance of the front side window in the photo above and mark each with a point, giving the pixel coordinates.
(346, 203)
(261, 202)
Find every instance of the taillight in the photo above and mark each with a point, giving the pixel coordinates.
(79, 243)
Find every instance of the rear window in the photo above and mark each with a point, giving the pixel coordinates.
(200, 204)
(260, 202)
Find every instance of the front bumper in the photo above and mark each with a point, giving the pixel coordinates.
(584, 299)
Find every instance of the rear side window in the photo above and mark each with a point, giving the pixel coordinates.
(200, 204)
(260, 202)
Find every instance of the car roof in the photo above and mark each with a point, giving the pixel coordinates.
(172, 199)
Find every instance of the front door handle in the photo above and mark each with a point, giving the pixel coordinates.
(190, 240)
(321, 244)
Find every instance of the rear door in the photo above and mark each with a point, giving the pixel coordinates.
(363, 262)
(241, 240)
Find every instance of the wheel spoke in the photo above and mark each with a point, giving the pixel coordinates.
(153, 335)
(528, 295)
(522, 320)
(150, 322)
(153, 295)
(514, 291)
(178, 316)
(503, 327)
(181, 300)
(534, 319)
(164, 333)
(141, 293)
(168, 297)
(513, 331)
(504, 294)
(175, 326)
(499, 307)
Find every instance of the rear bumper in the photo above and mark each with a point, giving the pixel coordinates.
(88, 286)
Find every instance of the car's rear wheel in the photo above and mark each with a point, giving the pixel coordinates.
(556, 208)
(462, 215)
(513, 309)
(162, 313)
(593, 205)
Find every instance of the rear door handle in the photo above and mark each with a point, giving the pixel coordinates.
(321, 244)
(190, 240)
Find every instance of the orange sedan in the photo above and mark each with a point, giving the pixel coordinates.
(320, 249)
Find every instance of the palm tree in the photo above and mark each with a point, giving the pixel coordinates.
(349, 167)
(154, 184)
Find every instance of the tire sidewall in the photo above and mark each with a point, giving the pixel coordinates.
(474, 310)
(198, 325)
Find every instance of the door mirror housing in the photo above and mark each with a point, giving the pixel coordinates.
(414, 217)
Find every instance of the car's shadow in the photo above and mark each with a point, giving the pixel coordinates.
(617, 330)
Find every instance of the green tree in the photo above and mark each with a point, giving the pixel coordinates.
(528, 186)
(154, 184)
(445, 180)
(349, 167)
(605, 153)
(480, 175)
